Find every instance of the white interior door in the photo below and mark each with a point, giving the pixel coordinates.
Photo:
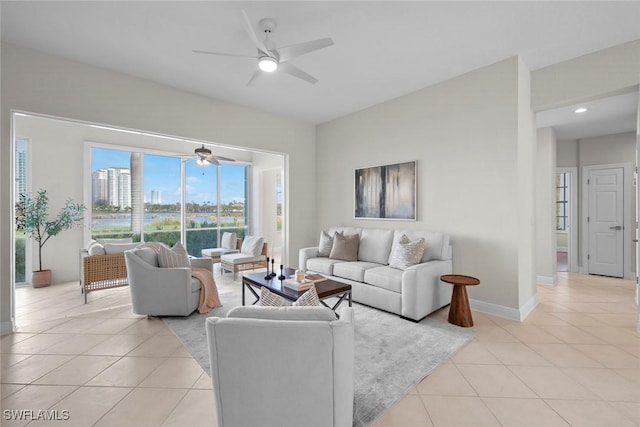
(605, 222)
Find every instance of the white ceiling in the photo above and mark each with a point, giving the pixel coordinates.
(382, 49)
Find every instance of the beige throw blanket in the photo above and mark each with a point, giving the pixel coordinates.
(208, 291)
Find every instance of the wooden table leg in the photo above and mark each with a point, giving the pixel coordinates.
(459, 310)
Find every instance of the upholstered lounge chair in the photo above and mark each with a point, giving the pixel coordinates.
(284, 366)
(159, 291)
(253, 254)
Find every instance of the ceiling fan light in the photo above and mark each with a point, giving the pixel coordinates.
(267, 64)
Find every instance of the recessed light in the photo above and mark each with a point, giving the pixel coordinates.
(580, 110)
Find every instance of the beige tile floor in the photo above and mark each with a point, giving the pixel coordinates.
(575, 361)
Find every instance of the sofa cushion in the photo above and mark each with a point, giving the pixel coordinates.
(322, 265)
(406, 253)
(118, 248)
(436, 243)
(195, 284)
(384, 277)
(325, 244)
(353, 270)
(375, 245)
(345, 247)
(120, 240)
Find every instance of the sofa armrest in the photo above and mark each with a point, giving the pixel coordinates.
(422, 290)
(305, 254)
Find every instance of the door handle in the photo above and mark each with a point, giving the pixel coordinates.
(617, 227)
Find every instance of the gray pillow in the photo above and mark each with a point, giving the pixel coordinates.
(406, 253)
(174, 257)
(345, 247)
(325, 245)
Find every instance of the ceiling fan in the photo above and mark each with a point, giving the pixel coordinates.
(271, 58)
(205, 158)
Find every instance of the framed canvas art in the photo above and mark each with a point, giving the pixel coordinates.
(386, 192)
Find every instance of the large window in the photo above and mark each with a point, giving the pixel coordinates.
(20, 187)
(144, 195)
(562, 201)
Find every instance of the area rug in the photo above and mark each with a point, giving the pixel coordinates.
(391, 354)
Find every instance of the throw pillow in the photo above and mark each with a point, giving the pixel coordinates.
(325, 245)
(174, 257)
(406, 253)
(345, 247)
(309, 298)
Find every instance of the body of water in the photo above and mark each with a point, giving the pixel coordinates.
(124, 220)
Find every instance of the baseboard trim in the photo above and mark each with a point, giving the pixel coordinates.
(547, 280)
(505, 312)
(6, 327)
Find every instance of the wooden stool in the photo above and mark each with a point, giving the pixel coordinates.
(459, 310)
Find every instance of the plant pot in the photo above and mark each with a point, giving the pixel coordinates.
(41, 279)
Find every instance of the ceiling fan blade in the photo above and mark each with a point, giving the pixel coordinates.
(289, 68)
(255, 77)
(206, 52)
(286, 53)
(252, 34)
(224, 159)
(212, 159)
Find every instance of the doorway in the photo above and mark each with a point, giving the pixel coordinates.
(567, 219)
(605, 220)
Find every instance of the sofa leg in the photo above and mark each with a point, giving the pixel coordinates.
(85, 295)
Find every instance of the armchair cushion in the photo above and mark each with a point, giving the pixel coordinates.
(95, 248)
(118, 248)
(229, 241)
(252, 245)
(283, 313)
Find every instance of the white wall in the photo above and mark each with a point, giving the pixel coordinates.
(45, 84)
(546, 261)
(464, 135)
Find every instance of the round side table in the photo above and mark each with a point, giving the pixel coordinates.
(459, 310)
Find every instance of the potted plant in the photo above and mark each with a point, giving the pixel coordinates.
(32, 218)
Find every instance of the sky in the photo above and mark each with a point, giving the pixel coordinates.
(163, 173)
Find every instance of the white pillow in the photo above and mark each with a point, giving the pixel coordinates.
(118, 248)
(121, 240)
(252, 245)
(229, 240)
(308, 299)
(325, 244)
(95, 248)
(174, 257)
(406, 253)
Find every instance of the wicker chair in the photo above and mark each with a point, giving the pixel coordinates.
(101, 272)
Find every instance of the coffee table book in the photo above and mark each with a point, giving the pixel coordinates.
(292, 283)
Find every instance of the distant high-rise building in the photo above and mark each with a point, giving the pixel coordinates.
(156, 197)
(21, 167)
(99, 187)
(111, 187)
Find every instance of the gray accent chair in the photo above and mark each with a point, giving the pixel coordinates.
(282, 367)
(159, 291)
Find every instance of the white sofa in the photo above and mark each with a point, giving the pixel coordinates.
(412, 293)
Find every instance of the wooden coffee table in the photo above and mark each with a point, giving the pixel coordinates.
(459, 310)
(326, 288)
